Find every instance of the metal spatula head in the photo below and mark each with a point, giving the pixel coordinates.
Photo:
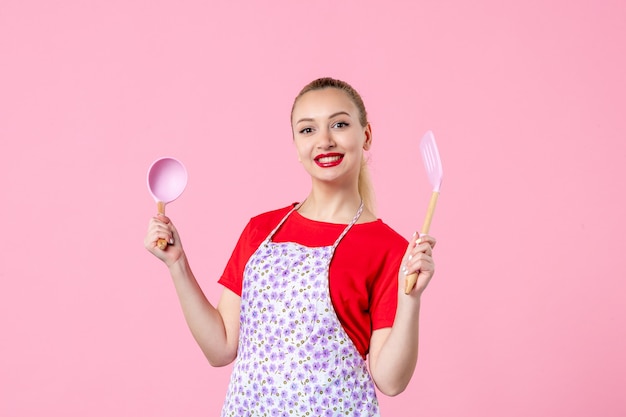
(432, 161)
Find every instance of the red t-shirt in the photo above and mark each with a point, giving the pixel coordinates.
(363, 276)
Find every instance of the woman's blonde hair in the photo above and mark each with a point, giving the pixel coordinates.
(366, 190)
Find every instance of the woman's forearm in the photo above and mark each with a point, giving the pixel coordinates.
(205, 321)
(397, 358)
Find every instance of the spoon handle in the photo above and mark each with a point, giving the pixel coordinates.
(161, 243)
(411, 280)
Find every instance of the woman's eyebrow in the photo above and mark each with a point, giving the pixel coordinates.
(338, 114)
(308, 119)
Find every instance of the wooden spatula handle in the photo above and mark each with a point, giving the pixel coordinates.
(411, 280)
(161, 243)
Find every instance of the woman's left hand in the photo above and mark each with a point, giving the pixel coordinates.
(418, 259)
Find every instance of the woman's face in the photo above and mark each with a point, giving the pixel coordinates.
(328, 135)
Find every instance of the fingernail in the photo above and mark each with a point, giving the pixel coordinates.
(410, 257)
(171, 241)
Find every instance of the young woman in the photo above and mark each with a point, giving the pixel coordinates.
(311, 289)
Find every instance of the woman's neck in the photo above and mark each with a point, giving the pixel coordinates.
(332, 207)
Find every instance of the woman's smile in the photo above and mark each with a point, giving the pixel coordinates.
(328, 160)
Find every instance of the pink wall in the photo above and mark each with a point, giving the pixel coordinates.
(526, 315)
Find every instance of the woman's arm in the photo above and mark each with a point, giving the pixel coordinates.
(393, 351)
(216, 330)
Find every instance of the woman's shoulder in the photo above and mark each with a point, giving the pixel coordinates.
(380, 235)
(379, 227)
(271, 217)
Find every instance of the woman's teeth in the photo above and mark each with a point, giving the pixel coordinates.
(328, 159)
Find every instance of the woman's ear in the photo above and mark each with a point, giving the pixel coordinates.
(368, 137)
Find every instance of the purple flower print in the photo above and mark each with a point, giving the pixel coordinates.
(279, 345)
(355, 396)
(350, 384)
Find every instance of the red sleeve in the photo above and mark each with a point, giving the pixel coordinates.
(232, 277)
(384, 290)
(364, 280)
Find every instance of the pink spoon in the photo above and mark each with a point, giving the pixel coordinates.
(167, 178)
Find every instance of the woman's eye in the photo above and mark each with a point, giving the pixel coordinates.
(341, 124)
(306, 130)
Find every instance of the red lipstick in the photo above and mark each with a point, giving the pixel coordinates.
(328, 160)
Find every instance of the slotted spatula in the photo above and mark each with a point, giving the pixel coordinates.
(432, 163)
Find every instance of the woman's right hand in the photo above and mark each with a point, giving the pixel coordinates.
(161, 227)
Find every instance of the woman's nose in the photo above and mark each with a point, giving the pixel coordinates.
(326, 140)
